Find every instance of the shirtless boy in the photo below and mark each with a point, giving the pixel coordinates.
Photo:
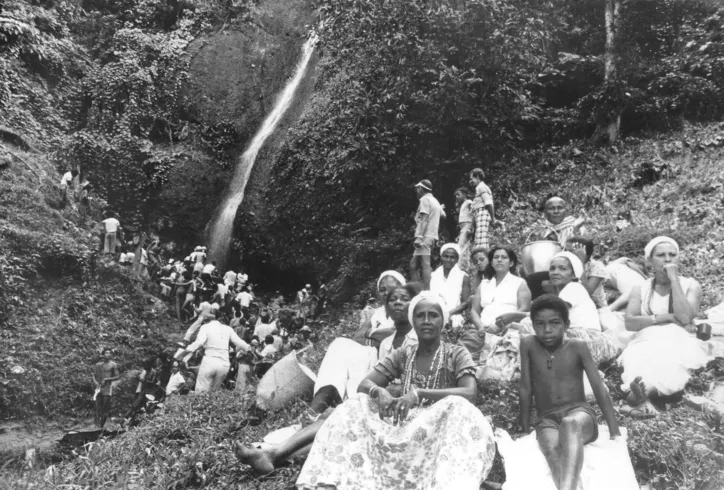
(552, 372)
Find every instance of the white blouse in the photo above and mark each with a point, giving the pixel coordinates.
(497, 299)
(583, 312)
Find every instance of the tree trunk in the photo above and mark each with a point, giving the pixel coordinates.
(610, 128)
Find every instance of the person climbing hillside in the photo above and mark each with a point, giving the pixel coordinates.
(113, 231)
(429, 213)
(66, 184)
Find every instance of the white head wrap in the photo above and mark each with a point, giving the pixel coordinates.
(432, 297)
(574, 260)
(399, 277)
(649, 249)
(450, 245)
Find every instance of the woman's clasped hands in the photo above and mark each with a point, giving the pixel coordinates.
(396, 408)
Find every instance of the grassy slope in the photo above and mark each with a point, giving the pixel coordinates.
(64, 304)
(190, 444)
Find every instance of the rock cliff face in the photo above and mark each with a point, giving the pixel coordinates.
(234, 77)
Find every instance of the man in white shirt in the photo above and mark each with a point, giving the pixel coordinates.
(230, 278)
(269, 351)
(214, 337)
(198, 255)
(429, 213)
(208, 270)
(111, 226)
(176, 382)
(244, 298)
(66, 183)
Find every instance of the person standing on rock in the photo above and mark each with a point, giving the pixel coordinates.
(105, 373)
(429, 212)
(111, 226)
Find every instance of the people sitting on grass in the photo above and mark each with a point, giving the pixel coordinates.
(440, 439)
(338, 379)
(503, 297)
(557, 224)
(452, 283)
(177, 382)
(566, 270)
(594, 272)
(660, 358)
(552, 370)
(478, 266)
(622, 275)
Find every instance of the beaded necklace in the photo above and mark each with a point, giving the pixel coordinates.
(429, 382)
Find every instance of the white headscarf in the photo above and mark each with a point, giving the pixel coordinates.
(450, 245)
(432, 297)
(649, 249)
(399, 277)
(574, 260)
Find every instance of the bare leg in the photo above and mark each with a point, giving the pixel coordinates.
(324, 398)
(426, 271)
(548, 443)
(576, 428)
(415, 268)
(264, 461)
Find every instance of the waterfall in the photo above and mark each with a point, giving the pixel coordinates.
(222, 225)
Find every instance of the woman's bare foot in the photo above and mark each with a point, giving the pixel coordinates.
(638, 392)
(260, 460)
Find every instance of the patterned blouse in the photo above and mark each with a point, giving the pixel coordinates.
(456, 363)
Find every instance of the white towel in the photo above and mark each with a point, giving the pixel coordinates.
(606, 463)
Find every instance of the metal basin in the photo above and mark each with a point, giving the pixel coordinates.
(536, 256)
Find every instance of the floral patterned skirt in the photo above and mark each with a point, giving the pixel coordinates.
(447, 445)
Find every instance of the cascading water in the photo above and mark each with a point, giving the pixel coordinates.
(223, 224)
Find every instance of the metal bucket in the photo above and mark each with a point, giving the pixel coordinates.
(536, 256)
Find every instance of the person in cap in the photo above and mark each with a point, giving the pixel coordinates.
(482, 208)
(429, 213)
(664, 351)
(198, 255)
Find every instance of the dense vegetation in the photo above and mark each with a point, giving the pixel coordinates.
(406, 91)
(403, 91)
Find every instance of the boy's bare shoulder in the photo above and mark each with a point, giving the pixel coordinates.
(527, 340)
(579, 344)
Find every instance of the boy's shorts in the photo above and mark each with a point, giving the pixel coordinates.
(552, 419)
(425, 247)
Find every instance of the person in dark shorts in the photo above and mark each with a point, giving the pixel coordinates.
(552, 371)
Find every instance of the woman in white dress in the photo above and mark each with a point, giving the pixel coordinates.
(452, 284)
(660, 358)
(502, 299)
(348, 361)
(565, 271)
(431, 437)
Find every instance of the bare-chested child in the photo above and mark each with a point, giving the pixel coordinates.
(552, 372)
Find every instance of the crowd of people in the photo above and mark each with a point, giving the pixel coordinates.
(215, 310)
(394, 405)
